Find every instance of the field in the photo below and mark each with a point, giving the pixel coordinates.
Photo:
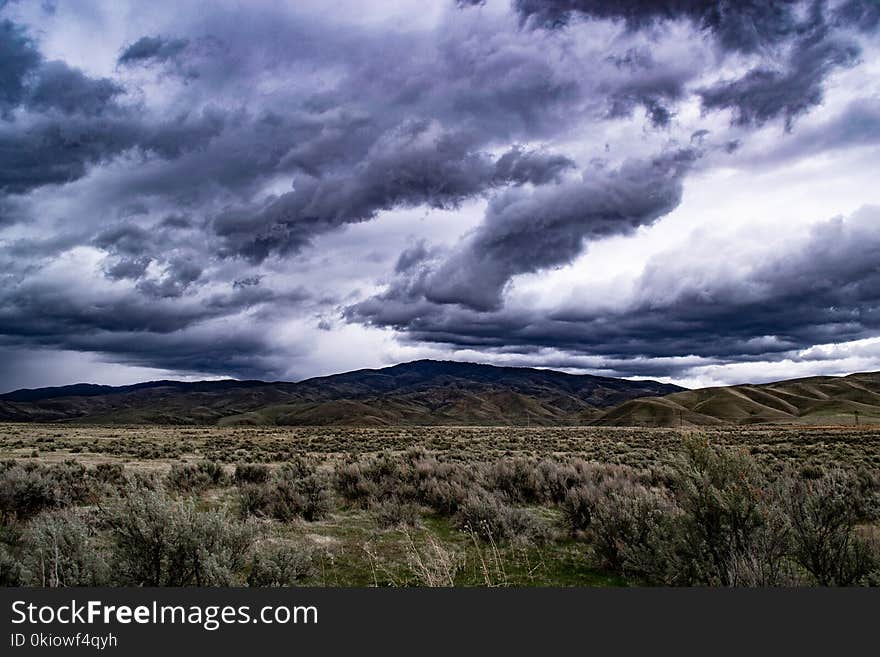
(438, 506)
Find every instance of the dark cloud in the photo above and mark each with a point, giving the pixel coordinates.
(129, 239)
(822, 288)
(412, 256)
(52, 312)
(741, 25)
(153, 323)
(179, 274)
(809, 39)
(857, 126)
(208, 349)
(247, 281)
(10, 212)
(528, 230)
(150, 49)
(518, 166)
(183, 133)
(244, 353)
(41, 148)
(165, 215)
(176, 221)
(418, 164)
(19, 57)
(647, 84)
(55, 152)
(862, 14)
(70, 91)
(127, 268)
(25, 79)
(763, 94)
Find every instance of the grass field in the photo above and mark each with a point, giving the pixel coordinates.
(440, 506)
(156, 447)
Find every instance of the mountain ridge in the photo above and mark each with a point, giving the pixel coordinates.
(813, 400)
(418, 392)
(426, 392)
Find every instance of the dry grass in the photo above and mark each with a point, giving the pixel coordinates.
(154, 448)
(497, 471)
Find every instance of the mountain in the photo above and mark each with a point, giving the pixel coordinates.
(94, 390)
(444, 392)
(816, 400)
(420, 392)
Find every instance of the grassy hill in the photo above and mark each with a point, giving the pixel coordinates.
(812, 401)
(450, 393)
(418, 393)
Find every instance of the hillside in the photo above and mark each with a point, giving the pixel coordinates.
(420, 392)
(810, 401)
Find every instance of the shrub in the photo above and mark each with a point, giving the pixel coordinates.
(718, 527)
(60, 550)
(577, 507)
(368, 483)
(254, 500)
(109, 473)
(296, 491)
(146, 480)
(519, 479)
(629, 529)
(279, 564)
(824, 514)
(490, 519)
(188, 477)
(766, 562)
(722, 496)
(299, 494)
(352, 484)
(159, 541)
(443, 486)
(394, 513)
(593, 481)
(71, 482)
(869, 537)
(28, 489)
(25, 491)
(252, 473)
(11, 572)
(559, 478)
(392, 477)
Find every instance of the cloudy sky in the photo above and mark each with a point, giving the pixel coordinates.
(676, 189)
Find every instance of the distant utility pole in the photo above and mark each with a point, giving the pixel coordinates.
(856, 415)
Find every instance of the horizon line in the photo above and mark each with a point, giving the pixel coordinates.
(418, 360)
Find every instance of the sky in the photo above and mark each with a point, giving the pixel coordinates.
(679, 190)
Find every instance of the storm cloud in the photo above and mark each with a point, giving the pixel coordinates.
(416, 166)
(708, 299)
(277, 191)
(150, 49)
(764, 94)
(810, 39)
(526, 231)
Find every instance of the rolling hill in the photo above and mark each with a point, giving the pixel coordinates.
(444, 392)
(420, 392)
(821, 400)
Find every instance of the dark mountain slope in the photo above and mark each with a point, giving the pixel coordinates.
(93, 390)
(420, 392)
